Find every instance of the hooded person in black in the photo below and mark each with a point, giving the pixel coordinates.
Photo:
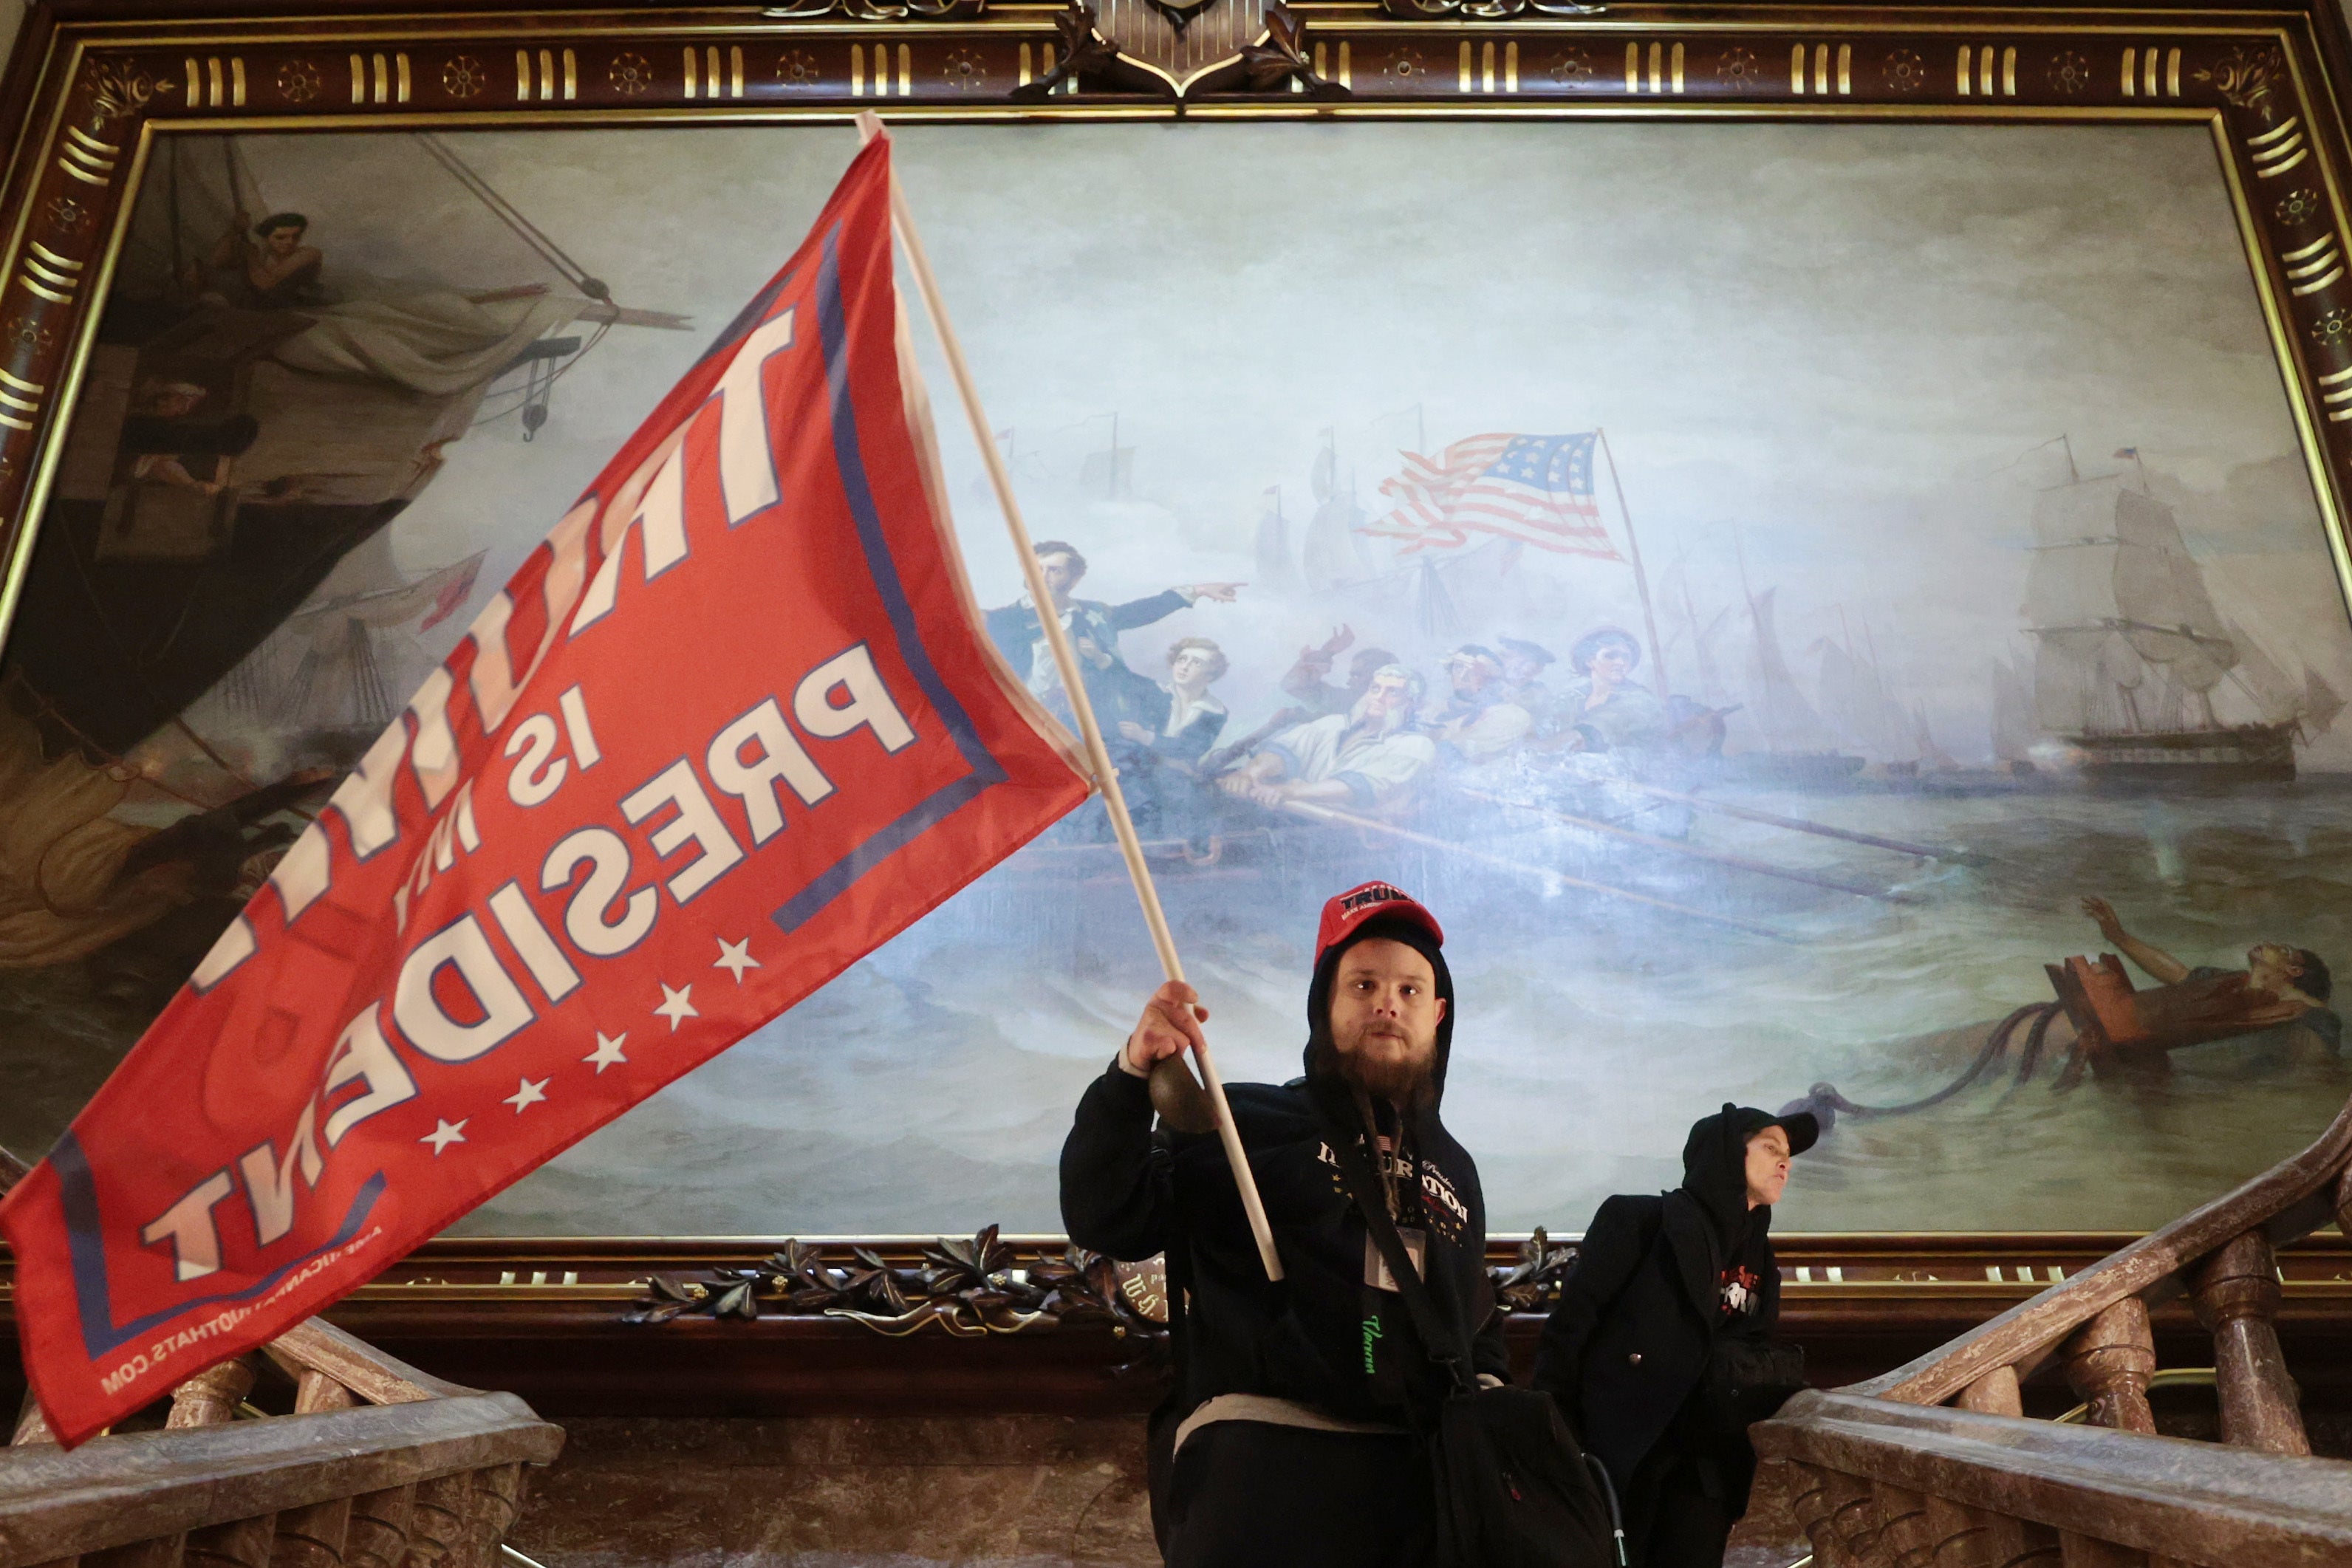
(1296, 1402)
(1652, 1347)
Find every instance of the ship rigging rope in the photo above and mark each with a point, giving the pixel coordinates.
(530, 233)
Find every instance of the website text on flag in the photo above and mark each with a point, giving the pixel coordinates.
(730, 728)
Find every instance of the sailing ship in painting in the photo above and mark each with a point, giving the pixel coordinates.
(2134, 672)
(215, 622)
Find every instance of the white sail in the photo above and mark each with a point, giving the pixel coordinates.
(2128, 637)
(2320, 704)
(2276, 695)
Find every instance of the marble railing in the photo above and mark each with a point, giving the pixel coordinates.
(378, 1466)
(1885, 1477)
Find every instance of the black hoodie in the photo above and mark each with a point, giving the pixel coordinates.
(1658, 1280)
(1322, 1337)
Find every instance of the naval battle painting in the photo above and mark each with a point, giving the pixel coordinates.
(1824, 613)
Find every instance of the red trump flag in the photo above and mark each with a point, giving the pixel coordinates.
(730, 728)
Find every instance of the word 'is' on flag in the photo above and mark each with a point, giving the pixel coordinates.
(730, 728)
(1535, 490)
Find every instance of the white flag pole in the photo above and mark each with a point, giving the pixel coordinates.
(1065, 660)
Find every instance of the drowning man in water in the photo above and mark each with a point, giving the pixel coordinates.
(2279, 986)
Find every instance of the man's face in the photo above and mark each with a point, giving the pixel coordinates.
(1388, 693)
(1190, 669)
(1061, 573)
(1385, 1011)
(282, 239)
(1367, 666)
(1518, 669)
(1768, 1166)
(1613, 664)
(1468, 672)
(2271, 965)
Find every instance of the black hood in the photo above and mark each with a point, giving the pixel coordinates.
(1318, 997)
(1714, 1166)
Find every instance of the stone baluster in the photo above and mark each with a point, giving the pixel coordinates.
(1904, 1540)
(316, 1392)
(1965, 1537)
(440, 1532)
(377, 1536)
(2020, 1543)
(1809, 1500)
(313, 1536)
(497, 1497)
(1994, 1393)
(1854, 1519)
(211, 1397)
(245, 1543)
(2108, 1363)
(2237, 1300)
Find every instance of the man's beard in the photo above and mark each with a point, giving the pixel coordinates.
(1405, 1081)
(1380, 725)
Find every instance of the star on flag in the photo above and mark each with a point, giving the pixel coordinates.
(445, 1133)
(735, 958)
(607, 1052)
(679, 1005)
(529, 1093)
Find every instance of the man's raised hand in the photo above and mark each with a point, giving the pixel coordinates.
(2111, 925)
(1171, 1023)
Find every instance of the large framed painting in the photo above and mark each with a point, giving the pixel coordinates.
(1813, 540)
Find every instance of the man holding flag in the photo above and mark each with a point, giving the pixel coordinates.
(730, 728)
(1297, 1402)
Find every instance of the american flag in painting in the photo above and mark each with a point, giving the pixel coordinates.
(1535, 489)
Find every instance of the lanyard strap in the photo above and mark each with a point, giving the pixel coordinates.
(1445, 1346)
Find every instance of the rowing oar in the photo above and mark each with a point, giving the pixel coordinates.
(1924, 851)
(1169, 1076)
(1558, 878)
(1675, 846)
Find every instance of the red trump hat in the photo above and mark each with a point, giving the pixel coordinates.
(1343, 917)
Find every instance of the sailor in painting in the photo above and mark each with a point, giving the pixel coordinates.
(1366, 759)
(1118, 693)
(1309, 683)
(1160, 767)
(272, 270)
(1476, 723)
(1524, 687)
(1604, 708)
(1193, 716)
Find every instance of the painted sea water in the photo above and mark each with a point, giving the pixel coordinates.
(930, 1087)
